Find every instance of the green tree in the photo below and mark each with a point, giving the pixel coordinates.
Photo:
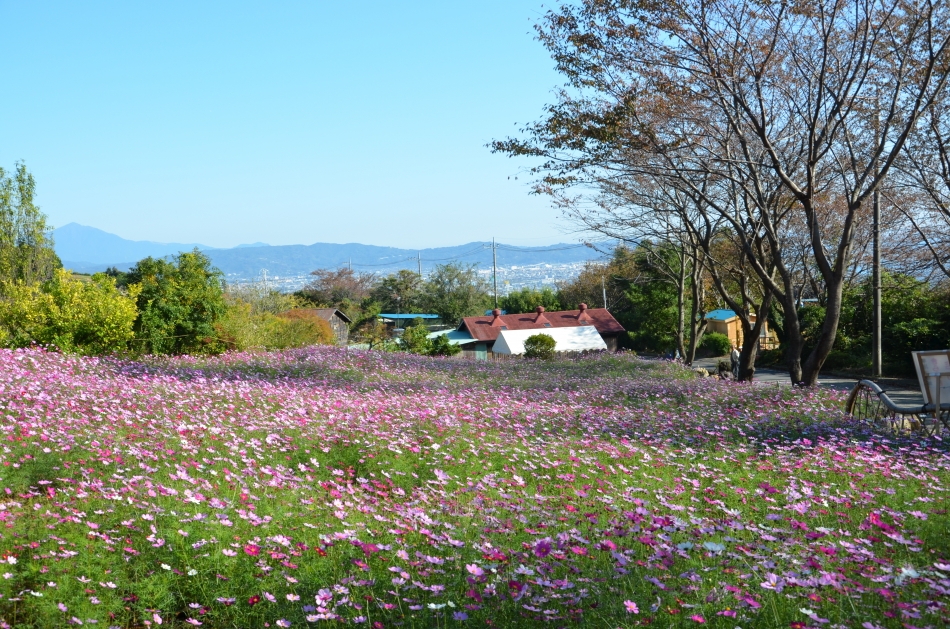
(539, 346)
(527, 299)
(179, 303)
(85, 317)
(415, 339)
(652, 318)
(121, 277)
(454, 291)
(26, 243)
(914, 316)
(642, 294)
(399, 292)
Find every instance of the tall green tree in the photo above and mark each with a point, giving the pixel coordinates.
(454, 291)
(179, 303)
(399, 292)
(26, 242)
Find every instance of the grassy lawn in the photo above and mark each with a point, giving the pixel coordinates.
(324, 488)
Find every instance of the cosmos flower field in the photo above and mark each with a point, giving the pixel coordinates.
(321, 487)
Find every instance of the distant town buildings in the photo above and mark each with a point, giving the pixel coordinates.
(510, 278)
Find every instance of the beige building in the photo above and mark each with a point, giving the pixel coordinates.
(727, 322)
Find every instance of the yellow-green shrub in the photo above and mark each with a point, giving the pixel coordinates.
(243, 327)
(91, 317)
(301, 327)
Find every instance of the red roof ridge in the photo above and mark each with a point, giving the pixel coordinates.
(487, 328)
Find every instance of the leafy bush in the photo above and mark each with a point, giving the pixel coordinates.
(716, 343)
(249, 325)
(416, 340)
(83, 317)
(240, 328)
(441, 346)
(300, 328)
(539, 346)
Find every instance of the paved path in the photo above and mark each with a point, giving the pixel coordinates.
(900, 395)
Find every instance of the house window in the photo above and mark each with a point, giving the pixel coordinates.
(547, 325)
(504, 327)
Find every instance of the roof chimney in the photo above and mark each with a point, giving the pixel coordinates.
(540, 318)
(582, 312)
(496, 318)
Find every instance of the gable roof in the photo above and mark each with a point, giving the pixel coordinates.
(576, 339)
(488, 328)
(327, 313)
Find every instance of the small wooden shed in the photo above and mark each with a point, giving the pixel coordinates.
(727, 322)
(337, 320)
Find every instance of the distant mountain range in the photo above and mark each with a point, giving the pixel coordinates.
(89, 250)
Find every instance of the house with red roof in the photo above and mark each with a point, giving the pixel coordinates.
(484, 331)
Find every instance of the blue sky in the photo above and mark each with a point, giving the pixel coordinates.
(283, 122)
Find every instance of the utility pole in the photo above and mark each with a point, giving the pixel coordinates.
(350, 263)
(494, 265)
(419, 254)
(603, 287)
(264, 275)
(876, 370)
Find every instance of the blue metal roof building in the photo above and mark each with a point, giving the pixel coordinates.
(721, 315)
(403, 317)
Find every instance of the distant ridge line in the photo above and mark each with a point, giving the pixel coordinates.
(87, 249)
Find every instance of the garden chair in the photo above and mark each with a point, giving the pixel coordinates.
(868, 401)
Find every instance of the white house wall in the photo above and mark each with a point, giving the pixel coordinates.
(579, 339)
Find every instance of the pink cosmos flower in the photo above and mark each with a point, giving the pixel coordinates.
(631, 607)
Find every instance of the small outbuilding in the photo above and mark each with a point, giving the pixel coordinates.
(727, 322)
(339, 322)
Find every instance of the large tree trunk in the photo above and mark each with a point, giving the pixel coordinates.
(793, 329)
(750, 339)
(793, 339)
(829, 330)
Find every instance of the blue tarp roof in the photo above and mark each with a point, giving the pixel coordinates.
(387, 315)
(720, 315)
